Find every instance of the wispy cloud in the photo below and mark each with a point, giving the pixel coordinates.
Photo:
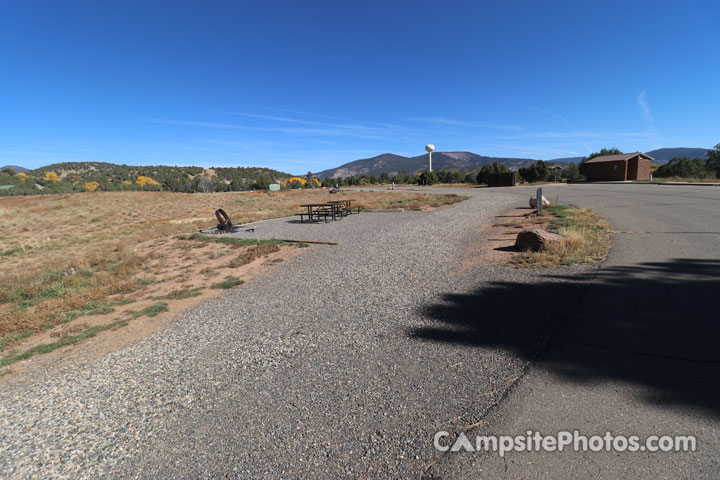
(644, 107)
(277, 119)
(461, 123)
(352, 125)
(552, 114)
(578, 135)
(340, 130)
(647, 114)
(341, 119)
(532, 149)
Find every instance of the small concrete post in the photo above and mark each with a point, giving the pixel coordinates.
(539, 200)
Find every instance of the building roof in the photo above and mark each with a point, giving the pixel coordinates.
(618, 158)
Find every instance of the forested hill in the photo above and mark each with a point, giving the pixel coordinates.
(101, 176)
(392, 164)
(664, 155)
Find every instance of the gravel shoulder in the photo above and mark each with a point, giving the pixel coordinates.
(344, 360)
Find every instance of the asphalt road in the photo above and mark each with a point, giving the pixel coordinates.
(639, 354)
(346, 360)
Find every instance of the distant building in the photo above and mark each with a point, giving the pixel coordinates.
(627, 166)
(274, 187)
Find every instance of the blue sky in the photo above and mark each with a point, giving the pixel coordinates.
(303, 86)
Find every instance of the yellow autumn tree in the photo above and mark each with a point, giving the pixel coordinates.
(91, 186)
(52, 176)
(317, 183)
(126, 182)
(22, 176)
(294, 182)
(142, 181)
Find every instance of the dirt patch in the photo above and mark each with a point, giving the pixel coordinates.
(69, 329)
(494, 243)
(253, 253)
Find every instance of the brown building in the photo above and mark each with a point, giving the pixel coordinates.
(628, 166)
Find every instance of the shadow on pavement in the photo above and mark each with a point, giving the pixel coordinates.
(653, 324)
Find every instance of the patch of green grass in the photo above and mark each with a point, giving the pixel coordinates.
(97, 308)
(53, 290)
(564, 217)
(10, 251)
(70, 316)
(150, 311)
(683, 179)
(54, 275)
(180, 294)
(125, 289)
(8, 339)
(28, 298)
(227, 240)
(144, 282)
(62, 342)
(24, 304)
(122, 301)
(560, 211)
(229, 282)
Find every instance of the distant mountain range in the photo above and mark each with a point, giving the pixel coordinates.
(466, 161)
(391, 164)
(664, 155)
(15, 168)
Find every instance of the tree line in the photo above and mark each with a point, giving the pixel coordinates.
(72, 177)
(99, 176)
(685, 167)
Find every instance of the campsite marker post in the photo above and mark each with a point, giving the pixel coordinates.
(538, 197)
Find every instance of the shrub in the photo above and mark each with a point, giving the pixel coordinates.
(683, 167)
(143, 181)
(427, 178)
(538, 172)
(488, 170)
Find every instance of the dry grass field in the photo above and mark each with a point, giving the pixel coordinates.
(77, 264)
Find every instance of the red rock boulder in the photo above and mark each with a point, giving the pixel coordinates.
(535, 240)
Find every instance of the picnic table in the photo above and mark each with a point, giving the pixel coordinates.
(335, 209)
(345, 206)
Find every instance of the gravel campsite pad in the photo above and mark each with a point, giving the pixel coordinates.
(345, 359)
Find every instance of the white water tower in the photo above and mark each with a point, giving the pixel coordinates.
(430, 147)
